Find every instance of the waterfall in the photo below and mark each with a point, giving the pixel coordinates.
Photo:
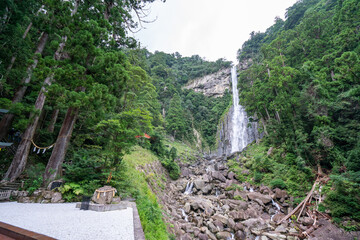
(188, 189)
(241, 135)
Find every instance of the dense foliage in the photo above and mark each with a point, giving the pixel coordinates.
(304, 86)
(184, 110)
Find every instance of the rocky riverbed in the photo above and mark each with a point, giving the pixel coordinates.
(208, 202)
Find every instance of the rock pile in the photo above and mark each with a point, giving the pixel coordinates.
(220, 207)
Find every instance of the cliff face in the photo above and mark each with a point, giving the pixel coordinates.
(224, 133)
(226, 126)
(213, 85)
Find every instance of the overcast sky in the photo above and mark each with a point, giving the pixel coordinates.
(212, 29)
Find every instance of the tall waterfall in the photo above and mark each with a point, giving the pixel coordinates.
(240, 136)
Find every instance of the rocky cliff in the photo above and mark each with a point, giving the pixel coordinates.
(213, 85)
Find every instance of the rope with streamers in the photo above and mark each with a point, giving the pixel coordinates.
(36, 147)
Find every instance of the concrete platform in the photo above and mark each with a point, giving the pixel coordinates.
(65, 221)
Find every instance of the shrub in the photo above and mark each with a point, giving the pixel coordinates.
(172, 167)
(278, 183)
(258, 177)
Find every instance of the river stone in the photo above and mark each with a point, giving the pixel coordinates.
(219, 176)
(255, 195)
(223, 235)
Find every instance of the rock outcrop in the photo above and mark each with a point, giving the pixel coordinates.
(213, 85)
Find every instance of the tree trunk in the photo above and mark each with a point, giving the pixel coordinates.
(19, 162)
(54, 117)
(7, 120)
(53, 168)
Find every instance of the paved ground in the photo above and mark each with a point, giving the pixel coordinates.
(64, 221)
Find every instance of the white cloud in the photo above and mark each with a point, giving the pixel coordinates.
(212, 29)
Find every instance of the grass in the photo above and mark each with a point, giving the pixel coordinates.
(135, 183)
(186, 153)
(264, 169)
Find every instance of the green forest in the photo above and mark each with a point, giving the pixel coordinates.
(79, 90)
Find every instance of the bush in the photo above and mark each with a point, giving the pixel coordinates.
(258, 177)
(172, 167)
(278, 183)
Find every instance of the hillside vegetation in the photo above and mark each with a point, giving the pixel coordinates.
(304, 86)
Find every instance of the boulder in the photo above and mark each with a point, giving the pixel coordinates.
(212, 227)
(239, 226)
(231, 175)
(207, 188)
(199, 184)
(306, 221)
(245, 172)
(278, 217)
(56, 197)
(254, 223)
(240, 235)
(187, 236)
(231, 224)
(48, 194)
(237, 215)
(275, 236)
(202, 236)
(236, 204)
(210, 235)
(281, 229)
(221, 218)
(185, 172)
(223, 235)
(280, 193)
(263, 198)
(219, 176)
(103, 195)
(219, 225)
(219, 166)
(54, 184)
(187, 207)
